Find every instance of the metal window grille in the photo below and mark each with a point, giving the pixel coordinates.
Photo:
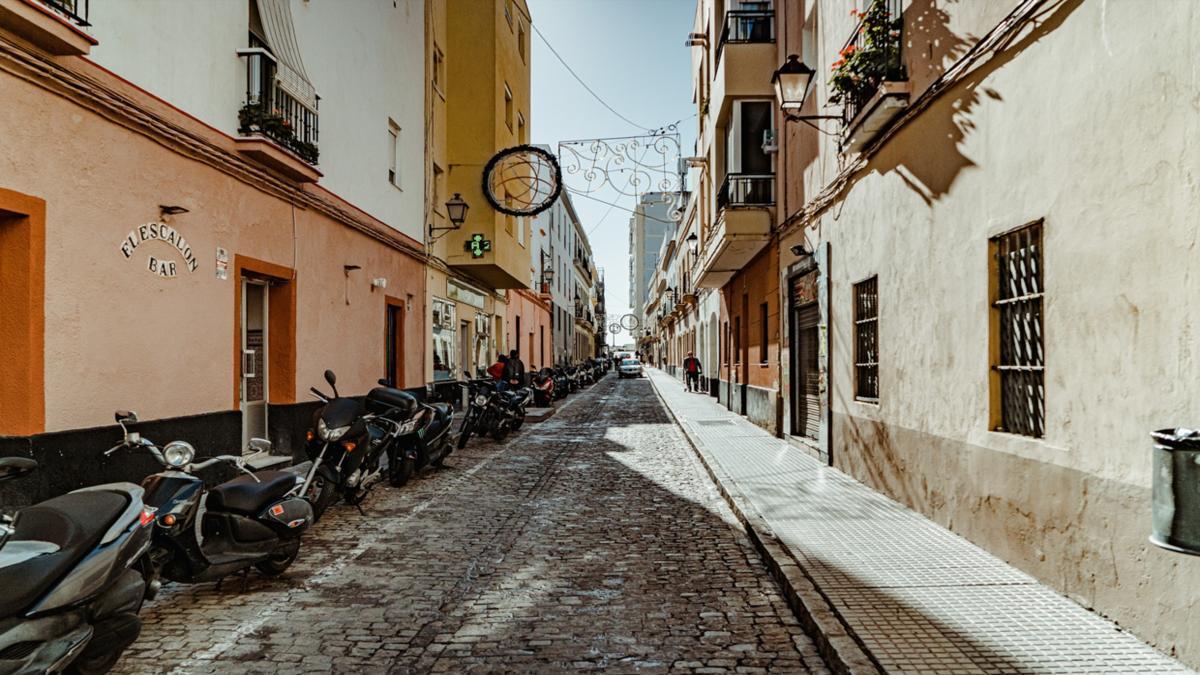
(1018, 310)
(866, 340)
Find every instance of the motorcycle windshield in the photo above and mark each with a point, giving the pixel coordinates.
(341, 412)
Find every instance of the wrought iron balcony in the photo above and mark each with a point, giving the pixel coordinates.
(881, 35)
(76, 11)
(747, 26)
(272, 112)
(745, 189)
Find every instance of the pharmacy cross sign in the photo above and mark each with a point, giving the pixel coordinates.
(477, 245)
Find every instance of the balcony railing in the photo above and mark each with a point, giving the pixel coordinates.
(883, 39)
(272, 112)
(76, 11)
(745, 189)
(743, 26)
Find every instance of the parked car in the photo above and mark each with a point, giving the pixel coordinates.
(629, 368)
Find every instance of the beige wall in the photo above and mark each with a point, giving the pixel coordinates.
(119, 337)
(1090, 124)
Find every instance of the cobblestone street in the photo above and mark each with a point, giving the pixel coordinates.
(593, 540)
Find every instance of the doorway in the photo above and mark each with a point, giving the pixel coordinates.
(394, 343)
(804, 349)
(464, 347)
(254, 362)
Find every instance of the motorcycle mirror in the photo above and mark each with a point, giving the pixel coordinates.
(125, 417)
(332, 380)
(260, 445)
(15, 467)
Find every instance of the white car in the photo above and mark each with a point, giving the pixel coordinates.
(629, 368)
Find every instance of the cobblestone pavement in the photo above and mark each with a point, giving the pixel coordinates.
(593, 540)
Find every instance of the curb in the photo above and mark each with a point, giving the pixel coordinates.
(841, 651)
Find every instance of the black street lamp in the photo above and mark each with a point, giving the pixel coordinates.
(792, 82)
(456, 212)
(693, 242)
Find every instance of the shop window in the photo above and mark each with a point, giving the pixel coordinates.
(1018, 360)
(866, 340)
(445, 343)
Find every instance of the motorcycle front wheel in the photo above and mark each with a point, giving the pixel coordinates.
(464, 432)
(402, 470)
(322, 492)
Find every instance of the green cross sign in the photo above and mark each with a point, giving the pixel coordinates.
(477, 245)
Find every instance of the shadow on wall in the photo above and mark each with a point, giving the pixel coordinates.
(945, 125)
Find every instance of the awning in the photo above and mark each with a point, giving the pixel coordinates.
(276, 18)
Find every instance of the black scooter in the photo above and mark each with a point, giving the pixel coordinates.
(72, 576)
(418, 434)
(204, 534)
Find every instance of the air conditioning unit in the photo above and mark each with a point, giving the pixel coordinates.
(770, 143)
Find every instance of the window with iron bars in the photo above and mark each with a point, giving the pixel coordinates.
(866, 340)
(1018, 360)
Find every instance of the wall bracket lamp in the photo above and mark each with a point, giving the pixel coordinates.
(792, 82)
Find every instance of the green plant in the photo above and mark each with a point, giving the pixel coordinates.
(873, 57)
(257, 118)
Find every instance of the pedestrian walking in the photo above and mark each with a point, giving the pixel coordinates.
(692, 371)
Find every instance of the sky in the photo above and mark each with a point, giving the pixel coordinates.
(632, 54)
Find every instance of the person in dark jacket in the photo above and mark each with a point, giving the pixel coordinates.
(692, 370)
(514, 370)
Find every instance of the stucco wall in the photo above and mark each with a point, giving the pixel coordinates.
(117, 336)
(1090, 123)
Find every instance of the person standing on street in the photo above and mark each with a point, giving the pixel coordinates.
(514, 370)
(692, 370)
(496, 370)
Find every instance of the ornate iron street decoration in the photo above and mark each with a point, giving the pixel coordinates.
(522, 181)
(614, 328)
(630, 322)
(477, 245)
(629, 165)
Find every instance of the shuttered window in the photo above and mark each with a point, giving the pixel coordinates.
(1018, 367)
(866, 340)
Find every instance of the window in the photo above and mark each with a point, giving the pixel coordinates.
(439, 69)
(762, 334)
(521, 129)
(866, 340)
(521, 42)
(1018, 360)
(393, 153)
(508, 9)
(508, 107)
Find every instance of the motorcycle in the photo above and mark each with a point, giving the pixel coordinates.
(418, 434)
(207, 533)
(562, 386)
(348, 449)
(543, 387)
(73, 573)
(487, 412)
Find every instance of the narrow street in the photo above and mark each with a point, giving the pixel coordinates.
(592, 540)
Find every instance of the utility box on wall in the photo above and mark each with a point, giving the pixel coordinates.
(1176, 490)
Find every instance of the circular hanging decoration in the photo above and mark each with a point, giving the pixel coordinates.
(629, 322)
(522, 181)
(614, 328)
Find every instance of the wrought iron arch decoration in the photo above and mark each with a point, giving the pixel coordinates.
(523, 180)
(629, 165)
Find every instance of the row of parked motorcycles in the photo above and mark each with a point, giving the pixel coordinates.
(75, 569)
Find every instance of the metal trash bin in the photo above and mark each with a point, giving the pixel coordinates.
(1176, 491)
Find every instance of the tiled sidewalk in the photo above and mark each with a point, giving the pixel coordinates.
(915, 597)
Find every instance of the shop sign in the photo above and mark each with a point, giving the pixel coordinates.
(464, 294)
(166, 234)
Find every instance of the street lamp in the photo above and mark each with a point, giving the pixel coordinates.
(693, 242)
(792, 82)
(456, 212)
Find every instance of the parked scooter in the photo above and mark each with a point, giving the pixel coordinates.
(72, 574)
(418, 434)
(543, 387)
(562, 385)
(347, 446)
(206, 533)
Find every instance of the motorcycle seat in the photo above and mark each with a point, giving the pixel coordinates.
(245, 496)
(76, 523)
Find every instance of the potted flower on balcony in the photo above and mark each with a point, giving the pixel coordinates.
(871, 58)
